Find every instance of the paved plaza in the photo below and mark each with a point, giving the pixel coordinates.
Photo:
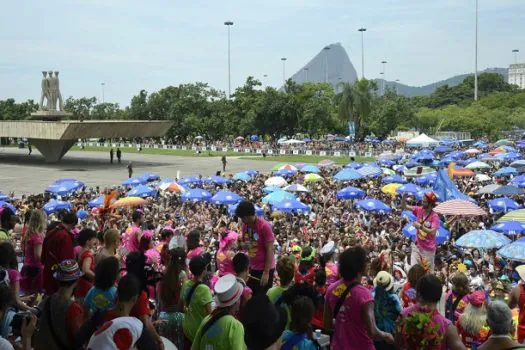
(25, 174)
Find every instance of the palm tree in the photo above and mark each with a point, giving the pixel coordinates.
(355, 104)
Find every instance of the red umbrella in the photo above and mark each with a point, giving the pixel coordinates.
(460, 208)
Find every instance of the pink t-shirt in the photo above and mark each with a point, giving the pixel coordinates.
(14, 276)
(130, 241)
(224, 262)
(350, 332)
(427, 243)
(436, 317)
(257, 237)
(332, 273)
(34, 240)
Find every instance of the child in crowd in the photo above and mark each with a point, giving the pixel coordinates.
(241, 266)
(102, 295)
(300, 335)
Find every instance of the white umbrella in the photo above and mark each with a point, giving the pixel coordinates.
(483, 177)
(488, 189)
(276, 181)
(478, 165)
(296, 188)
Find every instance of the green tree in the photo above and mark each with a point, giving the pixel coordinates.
(80, 108)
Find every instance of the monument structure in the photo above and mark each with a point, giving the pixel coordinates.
(53, 134)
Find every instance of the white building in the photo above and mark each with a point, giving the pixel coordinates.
(517, 75)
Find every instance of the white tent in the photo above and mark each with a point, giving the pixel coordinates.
(291, 142)
(422, 141)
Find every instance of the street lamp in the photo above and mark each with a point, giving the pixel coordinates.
(362, 30)
(516, 55)
(306, 73)
(384, 62)
(284, 70)
(326, 48)
(476, 56)
(229, 24)
(102, 86)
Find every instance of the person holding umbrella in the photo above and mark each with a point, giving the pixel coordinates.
(427, 224)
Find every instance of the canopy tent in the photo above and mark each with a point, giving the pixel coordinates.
(422, 141)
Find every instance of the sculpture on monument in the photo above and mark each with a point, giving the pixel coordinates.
(51, 92)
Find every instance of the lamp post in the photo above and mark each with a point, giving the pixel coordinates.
(306, 73)
(102, 86)
(362, 30)
(516, 51)
(384, 62)
(326, 48)
(284, 70)
(229, 24)
(383, 84)
(476, 56)
(397, 81)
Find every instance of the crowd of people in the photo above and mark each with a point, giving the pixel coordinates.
(194, 274)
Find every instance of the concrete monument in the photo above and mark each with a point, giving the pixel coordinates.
(50, 86)
(45, 91)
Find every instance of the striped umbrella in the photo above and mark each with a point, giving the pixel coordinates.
(516, 215)
(482, 239)
(288, 167)
(369, 171)
(459, 207)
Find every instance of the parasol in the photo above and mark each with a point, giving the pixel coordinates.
(489, 189)
(350, 193)
(369, 171)
(459, 207)
(275, 181)
(391, 189)
(503, 205)
(347, 175)
(288, 167)
(373, 205)
(482, 239)
(196, 195)
(296, 188)
(129, 202)
(478, 165)
(310, 169)
(326, 163)
(516, 215)
(510, 228)
(225, 197)
(514, 251)
(291, 206)
(312, 178)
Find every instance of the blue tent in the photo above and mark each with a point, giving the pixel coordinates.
(291, 206)
(509, 227)
(396, 179)
(350, 193)
(218, 180)
(190, 180)
(310, 169)
(233, 207)
(7, 205)
(242, 177)
(503, 205)
(142, 191)
(196, 195)
(134, 181)
(442, 235)
(373, 205)
(225, 197)
(54, 205)
(277, 196)
(347, 175)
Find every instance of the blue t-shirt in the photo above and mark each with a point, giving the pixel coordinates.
(100, 300)
(304, 344)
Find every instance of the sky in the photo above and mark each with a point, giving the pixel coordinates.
(131, 45)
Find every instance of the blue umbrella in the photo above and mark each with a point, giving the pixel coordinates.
(509, 227)
(508, 156)
(426, 179)
(291, 206)
(347, 175)
(506, 171)
(409, 215)
(3, 197)
(310, 169)
(386, 162)
(514, 251)
(254, 138)
(373, 205)
(482, 239)
(442, 235)
(150, 176)
(284, 173)
(190, 180)
(242, 177)
(503, 205)
(446, 161)
(370, 171)
(225, 197)
(401, 169)
(442, 149)
(350, 193)
(354, 165)
(54, 205)
(251, 172)
(518, 163)
(64, 187)
(233, 207)
(217, 180)
(372, 164)
(409, 188)
(7, 205)
(134, 181)
(81, 214)
(411, 164)
(270, 189)
(396, 179)
(196, 195)
(168, 180)
(277, 196)
(142, 191)
(97, 202)
(508, 191)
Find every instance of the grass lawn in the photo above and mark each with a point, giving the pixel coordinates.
(308, 159)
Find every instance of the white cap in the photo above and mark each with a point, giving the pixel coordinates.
(328, 248)
(120, 333)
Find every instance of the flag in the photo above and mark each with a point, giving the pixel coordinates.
(446, 190)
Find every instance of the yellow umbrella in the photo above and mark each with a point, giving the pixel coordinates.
(129, 202)
(313, 178)
(515, 215)
(391, 189)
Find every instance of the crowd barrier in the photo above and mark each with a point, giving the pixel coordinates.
(247, 151)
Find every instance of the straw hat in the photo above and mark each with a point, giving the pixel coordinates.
(521, 271)
(384, 279)
(227, 290)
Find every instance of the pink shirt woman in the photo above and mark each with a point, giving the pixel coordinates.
(32, 277)
(131, 240)
(225, 253)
